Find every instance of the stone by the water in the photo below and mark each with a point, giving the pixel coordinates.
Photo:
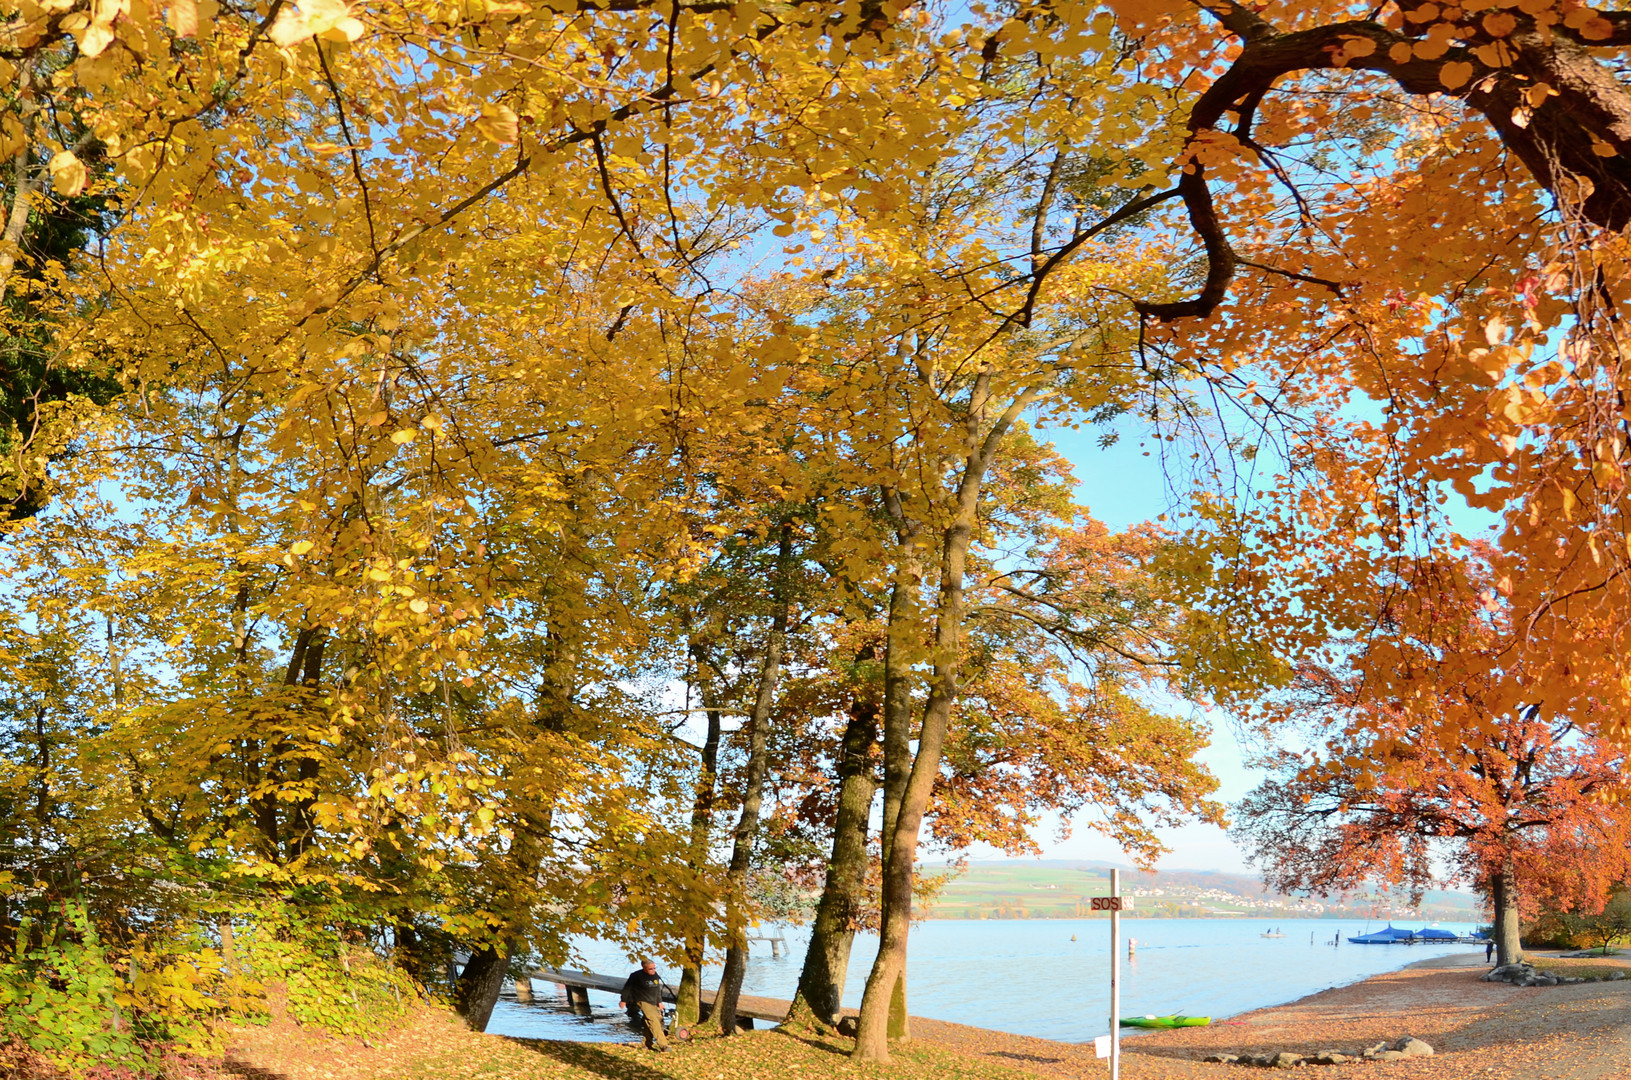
(1413, 1047)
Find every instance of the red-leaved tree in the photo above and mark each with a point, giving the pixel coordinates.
(1439, 762)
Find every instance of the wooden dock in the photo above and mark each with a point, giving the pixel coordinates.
(577, 985)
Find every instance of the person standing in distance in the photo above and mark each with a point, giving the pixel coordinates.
(644, 990)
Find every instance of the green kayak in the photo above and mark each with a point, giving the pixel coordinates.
(1165, 1021)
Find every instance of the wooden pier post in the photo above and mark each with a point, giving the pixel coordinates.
(523, 989)
(577, 997)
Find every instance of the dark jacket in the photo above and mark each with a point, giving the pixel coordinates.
(643, 987)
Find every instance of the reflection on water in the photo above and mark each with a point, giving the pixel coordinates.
(1030, 978)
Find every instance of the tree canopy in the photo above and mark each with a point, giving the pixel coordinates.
(487, 472)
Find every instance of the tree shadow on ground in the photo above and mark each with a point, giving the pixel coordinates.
(1035, 1059)
(591, 1058)
(813, 1041)
(235, 1066)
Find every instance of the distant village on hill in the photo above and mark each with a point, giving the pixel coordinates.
(1060, 889)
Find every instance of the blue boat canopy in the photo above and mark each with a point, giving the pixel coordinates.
(1384, 937)
(1435, 933)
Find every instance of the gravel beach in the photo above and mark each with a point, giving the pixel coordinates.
(1478, 1029)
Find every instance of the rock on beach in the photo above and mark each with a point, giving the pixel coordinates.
(1524, 974)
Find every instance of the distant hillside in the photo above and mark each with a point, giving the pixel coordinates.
(1057, 888)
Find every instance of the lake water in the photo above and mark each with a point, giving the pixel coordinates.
(1028, 977)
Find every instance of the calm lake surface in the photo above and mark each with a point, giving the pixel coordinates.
(1028, 977)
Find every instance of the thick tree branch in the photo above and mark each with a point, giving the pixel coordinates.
(1582, 133)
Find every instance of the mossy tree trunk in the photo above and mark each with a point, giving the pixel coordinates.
(821, 983)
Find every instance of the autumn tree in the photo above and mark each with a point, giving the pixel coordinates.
(431, 329)
(1438, 761)
(1066, 632)
(1450, 276)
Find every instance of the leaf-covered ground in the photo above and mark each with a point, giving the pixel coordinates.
(1482, 1031)
(434, 1046)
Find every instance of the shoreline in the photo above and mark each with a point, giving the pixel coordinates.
(1479, 1031)
(1454, 960)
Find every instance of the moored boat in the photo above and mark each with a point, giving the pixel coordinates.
(1391, 936)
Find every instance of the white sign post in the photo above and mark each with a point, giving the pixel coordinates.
(1115, 975)
(1114, 904)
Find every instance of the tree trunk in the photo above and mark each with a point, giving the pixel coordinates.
(688, 998)
(883, 1006)
(897, 694)
(267, 776)
(1504, 899)
(826, 964)
(885, 1002)
(229, 952)
(23, 188)
(897, 726)
(747, 826)
(413, 954)
(302, 827)
(476, 992)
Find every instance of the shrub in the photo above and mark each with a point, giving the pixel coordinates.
(60, 998)
(70, 1005)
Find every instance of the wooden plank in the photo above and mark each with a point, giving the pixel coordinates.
(588, 979)
(772, 1009)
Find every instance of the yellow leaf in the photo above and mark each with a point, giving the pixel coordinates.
(97, 38)
(300, 547)
(290, 27)
(498, 123)
(67, 173)
(419, 606)
(406, 435)
(182, 18)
